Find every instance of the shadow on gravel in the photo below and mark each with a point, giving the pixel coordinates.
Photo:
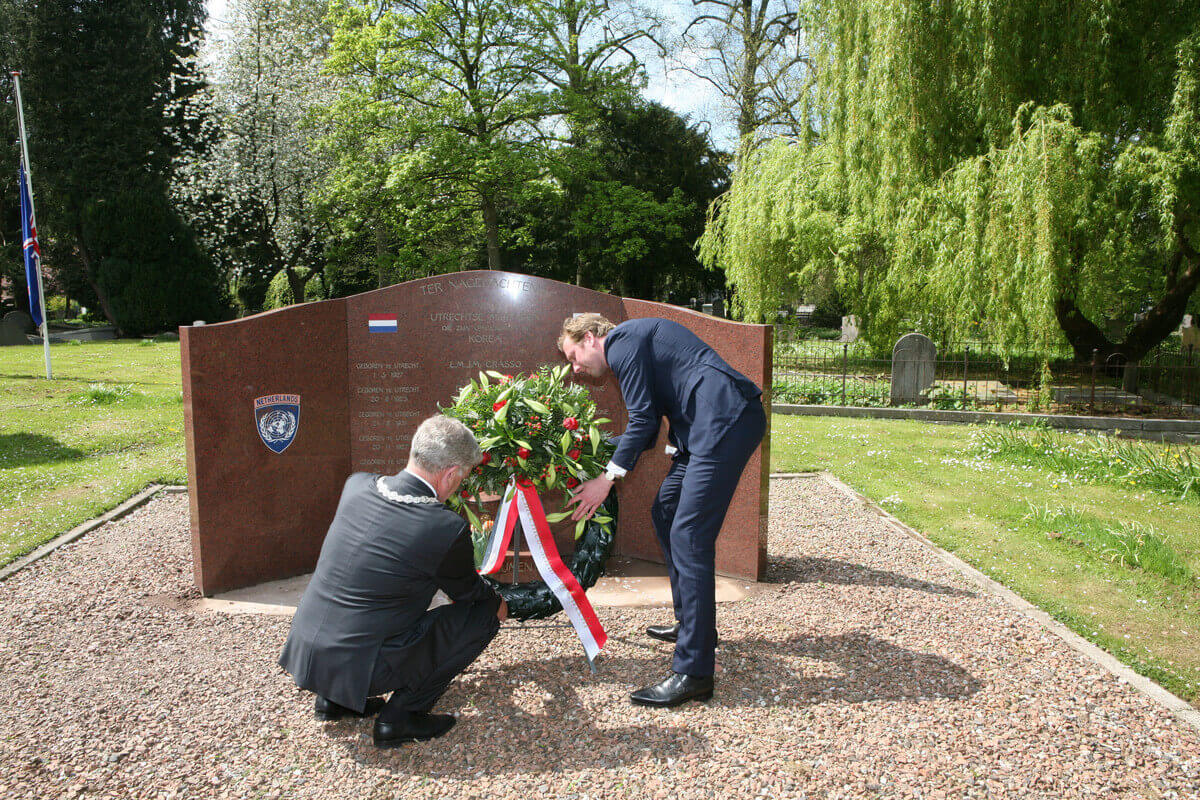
(546, 716)
(831, 570)
(866, 669)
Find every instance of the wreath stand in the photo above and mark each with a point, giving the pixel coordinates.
(534, 599)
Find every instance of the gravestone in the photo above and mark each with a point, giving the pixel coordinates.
(14, 328)
(849, 329)
(1189, 336)
(280, 408)
(913, 360)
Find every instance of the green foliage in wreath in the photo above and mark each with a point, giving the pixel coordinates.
(533, 425)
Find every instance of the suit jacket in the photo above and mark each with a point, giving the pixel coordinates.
(379, 567)
(665, 370)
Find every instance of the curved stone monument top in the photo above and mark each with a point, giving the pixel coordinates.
(281, 407)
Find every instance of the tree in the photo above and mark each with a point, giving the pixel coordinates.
(584, 49)
(250, 188)
(751, 52)
(446, 91)
(12, 268)
(1021, 172)
(647, 178)
(98, 79)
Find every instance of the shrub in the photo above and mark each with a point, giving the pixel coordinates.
(827, 391)
(279, 291)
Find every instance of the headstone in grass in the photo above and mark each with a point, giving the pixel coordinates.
(14, 327)
(913, 360)
(1189, 336)
(849, 329)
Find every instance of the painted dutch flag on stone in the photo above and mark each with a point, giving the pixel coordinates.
(382, 323)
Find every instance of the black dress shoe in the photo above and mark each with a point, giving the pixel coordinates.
(670, 633)
(415, 726)
(666, 633)
(674, 690)
(327, 711)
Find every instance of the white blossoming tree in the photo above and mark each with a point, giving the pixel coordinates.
(250, 190)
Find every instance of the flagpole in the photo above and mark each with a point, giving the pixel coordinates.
(16, 76)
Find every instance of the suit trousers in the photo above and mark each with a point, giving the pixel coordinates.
(687, 515)
(419, 672)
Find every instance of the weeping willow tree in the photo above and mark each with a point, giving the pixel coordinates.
(1023, 173)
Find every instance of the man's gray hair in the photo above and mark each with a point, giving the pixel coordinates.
(442, 442)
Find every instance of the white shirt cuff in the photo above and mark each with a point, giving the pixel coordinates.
(670, 450)
(613, 469)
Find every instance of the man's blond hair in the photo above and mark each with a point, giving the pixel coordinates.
(575, 327)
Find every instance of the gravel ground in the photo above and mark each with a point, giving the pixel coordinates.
(870, 669)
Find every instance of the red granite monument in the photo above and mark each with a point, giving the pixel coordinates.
(281, 407)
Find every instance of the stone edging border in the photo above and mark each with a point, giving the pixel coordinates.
(1173, 430)
(1180, 708)
(139, 499)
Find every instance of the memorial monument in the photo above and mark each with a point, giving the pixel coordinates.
(281, 407)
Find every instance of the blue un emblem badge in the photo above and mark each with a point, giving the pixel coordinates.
(277, 417)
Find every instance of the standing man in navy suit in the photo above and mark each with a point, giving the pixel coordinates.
(716, 421)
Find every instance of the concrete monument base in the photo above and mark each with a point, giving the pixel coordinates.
(628, 582)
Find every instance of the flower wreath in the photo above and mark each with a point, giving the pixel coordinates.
(541, 428)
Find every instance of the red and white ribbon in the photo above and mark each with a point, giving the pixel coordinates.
(520, 498)
(502, 531)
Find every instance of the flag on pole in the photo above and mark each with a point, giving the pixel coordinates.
(33, 254)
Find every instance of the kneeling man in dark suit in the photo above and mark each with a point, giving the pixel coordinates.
(717, 420)
(364, 627)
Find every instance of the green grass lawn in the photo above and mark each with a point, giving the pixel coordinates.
(109, 423)
(1028, 527)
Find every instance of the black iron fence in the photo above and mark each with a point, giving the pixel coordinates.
(977, 376)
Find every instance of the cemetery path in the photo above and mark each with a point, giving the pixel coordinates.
(868, 669)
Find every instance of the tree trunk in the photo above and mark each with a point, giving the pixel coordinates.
(380, 254)
(748, 92)
(89, 272)
(491, 227)
(297, 283)
(1166, 315)
(1083, 334)
(1147, 332)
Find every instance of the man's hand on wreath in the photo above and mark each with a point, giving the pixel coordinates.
(590, 496)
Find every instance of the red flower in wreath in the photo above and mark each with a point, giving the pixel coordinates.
(487, 458)
(499, 405)
(570, 423)
(574, 454)
(523, 453)
(572, 483)
(465, 494)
